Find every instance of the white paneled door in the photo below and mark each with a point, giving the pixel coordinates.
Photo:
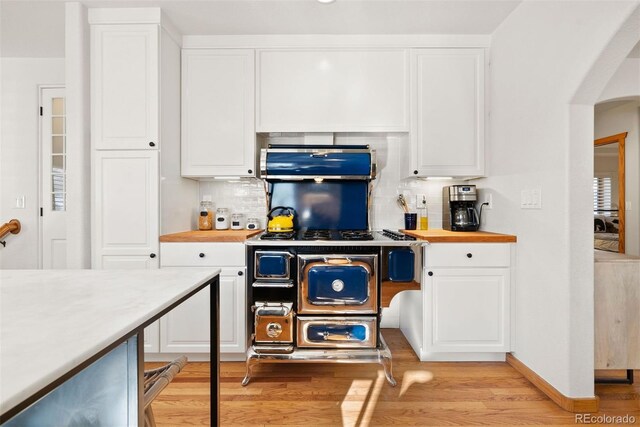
(125, 221)
(218, 131)
(469, 310)
(447, 112)
(53, 173)
(124, 92)
(186, 328)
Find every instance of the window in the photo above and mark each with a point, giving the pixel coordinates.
(602, 195)
(58, 155)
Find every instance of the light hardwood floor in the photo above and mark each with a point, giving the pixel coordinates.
(357, 395)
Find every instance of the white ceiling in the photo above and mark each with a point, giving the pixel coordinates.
(36, 28)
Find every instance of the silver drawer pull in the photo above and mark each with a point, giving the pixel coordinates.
(272, 285)
(336, 337)
(337, 285)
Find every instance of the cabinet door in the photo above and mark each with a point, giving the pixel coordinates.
(185, 329)
(447, 100)
(115, 262)
(124, 86)
(125, 230)
(467, 310)
(218, 130)
(328, 90)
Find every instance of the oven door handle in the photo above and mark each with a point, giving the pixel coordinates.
(337, 337)
(338, 261)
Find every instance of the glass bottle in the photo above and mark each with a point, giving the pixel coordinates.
(423, 213)
(205, 216)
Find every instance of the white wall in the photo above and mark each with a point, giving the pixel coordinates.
(625, 82)
(78, 109)
(626, 118)
(539, 56)
(20, 165)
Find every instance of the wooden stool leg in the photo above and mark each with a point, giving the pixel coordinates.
(149, 419)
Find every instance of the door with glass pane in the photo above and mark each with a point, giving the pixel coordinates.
(53, 172)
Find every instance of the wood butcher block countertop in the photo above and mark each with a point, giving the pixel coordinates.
(446, 236)
(210, 236)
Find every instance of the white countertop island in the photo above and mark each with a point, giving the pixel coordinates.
(52, 321)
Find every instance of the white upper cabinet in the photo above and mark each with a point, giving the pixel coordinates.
(330, 90)
(125, 207)
(218, 125)
(124, 92)
(447, 109)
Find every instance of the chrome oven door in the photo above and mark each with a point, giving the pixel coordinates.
(337, 332)
(338, 284)
(273, 323)
(272, 265)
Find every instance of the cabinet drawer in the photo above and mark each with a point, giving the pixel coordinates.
(467, 255)
(201, 254)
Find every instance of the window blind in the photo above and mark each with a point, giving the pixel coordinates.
(602, 195)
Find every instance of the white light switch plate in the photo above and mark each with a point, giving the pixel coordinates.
(531, 199)
(20, 202)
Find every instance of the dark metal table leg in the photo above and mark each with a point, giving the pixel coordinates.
(628, 380)
(214, 364)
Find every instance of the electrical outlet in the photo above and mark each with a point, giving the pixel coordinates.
(488, 198)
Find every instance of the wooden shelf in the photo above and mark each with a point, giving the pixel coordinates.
(391, 289)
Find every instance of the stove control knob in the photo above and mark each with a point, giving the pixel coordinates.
(274, 329)
(337, 285)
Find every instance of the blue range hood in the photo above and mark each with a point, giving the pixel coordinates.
(299, 162)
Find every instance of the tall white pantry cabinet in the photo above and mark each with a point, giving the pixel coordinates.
(135, 138)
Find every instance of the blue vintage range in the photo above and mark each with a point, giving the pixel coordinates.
(315, 275)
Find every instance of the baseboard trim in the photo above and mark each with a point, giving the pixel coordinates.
(571, 404)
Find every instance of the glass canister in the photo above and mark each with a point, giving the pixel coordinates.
(222, 219)
(205, 215)
(253, 224)
(237, 221)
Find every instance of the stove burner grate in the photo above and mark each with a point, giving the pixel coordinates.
(356, 235)
(268, 235)
(316, 235)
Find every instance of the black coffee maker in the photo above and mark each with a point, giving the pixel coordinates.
(459, 208)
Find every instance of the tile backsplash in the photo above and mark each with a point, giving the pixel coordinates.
(247, 196)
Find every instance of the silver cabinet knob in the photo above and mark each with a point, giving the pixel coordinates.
(337, 285)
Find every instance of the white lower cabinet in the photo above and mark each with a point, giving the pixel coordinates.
(152, 337)
(464, 312)
(186, 328)
(469, 309)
